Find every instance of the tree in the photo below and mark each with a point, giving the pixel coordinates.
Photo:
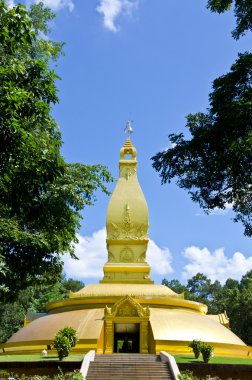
(242, 324)
(234, 297)
(199, 287)
(43, 294)
(65, 339)
(13, 314)
(70, 285)
(41, 196)
(175, 285)
(3, 272)
(242, 10)
(215, 165)
(33, 298)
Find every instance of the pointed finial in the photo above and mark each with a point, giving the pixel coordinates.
(128, 129)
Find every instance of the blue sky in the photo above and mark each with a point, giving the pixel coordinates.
(152, 61)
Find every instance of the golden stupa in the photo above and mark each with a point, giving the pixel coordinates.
(126, 306)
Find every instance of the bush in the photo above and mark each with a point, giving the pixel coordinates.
(196, 347)
(207, 351)
(64, 340)
(76, 375)
(186, 375)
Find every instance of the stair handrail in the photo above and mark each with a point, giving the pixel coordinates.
(89, 357)
(165, 357)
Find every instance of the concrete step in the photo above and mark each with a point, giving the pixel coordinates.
(109, 366)
(135, 370)
(128, 366)
(131, 364)
(132, 377)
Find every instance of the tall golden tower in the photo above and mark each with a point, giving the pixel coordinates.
(127, 224)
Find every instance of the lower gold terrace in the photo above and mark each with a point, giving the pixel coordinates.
(160, 320)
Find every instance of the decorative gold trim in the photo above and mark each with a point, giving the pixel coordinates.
(127, 307)
(127, 230)
(126, 255)
(126, 310)
(127, 172)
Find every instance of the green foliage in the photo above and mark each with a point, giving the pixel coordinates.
(12, 319)
(242, 309)
(234, 298)
(199, 347)
(41, 196)
(62, 345)
(196, 347)
(70, 285)
(207, 351)
(199, 286)
(64, 340)
(44, 48)
(200, 289)
(34, 299)
(242, 11)
(70, 334)
(75, 375)
(3, 271)
(186, 375)
(215, 165)
(176, 286)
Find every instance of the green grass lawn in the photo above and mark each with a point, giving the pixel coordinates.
(216, 359)
(78, 358)
(37, 357)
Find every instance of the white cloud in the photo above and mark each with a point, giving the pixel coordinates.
(112, 9)
(215, 265)
(159, 259)
(92, 254)
(10, 3)
(217, 211)
(220, 211)
(55, 5)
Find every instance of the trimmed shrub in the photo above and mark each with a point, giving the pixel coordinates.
(196, 347)
(64, 340)
(207, 351)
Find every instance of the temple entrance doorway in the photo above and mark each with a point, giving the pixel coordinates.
(126, 337)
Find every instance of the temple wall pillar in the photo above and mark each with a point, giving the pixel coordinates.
(144, 337)
(109, 337)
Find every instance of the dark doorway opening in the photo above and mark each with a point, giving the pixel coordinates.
(126, 337)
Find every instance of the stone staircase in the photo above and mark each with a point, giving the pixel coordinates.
(128, 366)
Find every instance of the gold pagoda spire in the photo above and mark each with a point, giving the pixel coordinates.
(127, 223)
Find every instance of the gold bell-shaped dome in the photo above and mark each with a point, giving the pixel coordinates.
(127, 225)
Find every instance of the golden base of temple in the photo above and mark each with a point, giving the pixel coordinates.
(151, 319)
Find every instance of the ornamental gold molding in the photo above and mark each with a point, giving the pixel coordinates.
(126, 255)
(127, 230)
(142, 257)
(127, 307)
(111, 257)
(127, 222)
(115, 233)
(126, 310)
(127, 172)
